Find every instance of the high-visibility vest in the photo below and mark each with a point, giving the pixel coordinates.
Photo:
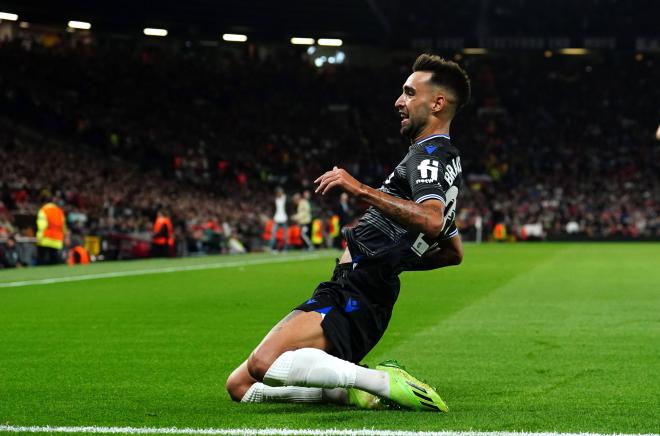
(51, 226)
(158, 225)
(268, 231)
(317, 232)
(295, 236)
(333, 226)
(499, 232)
(279, 237)
(83, 256)
(92, 245)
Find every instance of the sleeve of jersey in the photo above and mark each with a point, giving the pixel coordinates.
(426, 176)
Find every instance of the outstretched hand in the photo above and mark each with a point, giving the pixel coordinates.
(337, 177)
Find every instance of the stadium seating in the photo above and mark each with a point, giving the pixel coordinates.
(561, 144)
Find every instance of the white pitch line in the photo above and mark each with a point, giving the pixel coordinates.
(276, 431)
(170, 269)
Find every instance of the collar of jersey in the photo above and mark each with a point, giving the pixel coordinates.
(439, 135)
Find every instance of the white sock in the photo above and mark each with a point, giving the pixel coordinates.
(373, 381)
(260, 393)
(336, 395)
(310, 367)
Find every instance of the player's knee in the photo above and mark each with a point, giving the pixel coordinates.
(236, 387)
(259, 362)
(458, 257)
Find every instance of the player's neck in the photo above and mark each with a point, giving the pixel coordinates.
(429, 131)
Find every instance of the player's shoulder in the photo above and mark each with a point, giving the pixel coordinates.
(435, 145)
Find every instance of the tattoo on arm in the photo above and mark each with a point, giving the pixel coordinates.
(286, 319)
(423, 218)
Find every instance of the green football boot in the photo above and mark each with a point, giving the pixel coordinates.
(363, 400)
(409, 392)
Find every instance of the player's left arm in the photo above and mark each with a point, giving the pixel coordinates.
(448, 253)
(425, 217)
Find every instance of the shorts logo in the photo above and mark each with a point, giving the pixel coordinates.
(351, 305)
(428, 171)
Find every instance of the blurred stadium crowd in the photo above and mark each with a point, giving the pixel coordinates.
(554, 147)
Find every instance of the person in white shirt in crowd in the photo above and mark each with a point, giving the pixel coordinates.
(280, 219)
(303, 217)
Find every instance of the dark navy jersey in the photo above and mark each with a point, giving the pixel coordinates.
(430, 171)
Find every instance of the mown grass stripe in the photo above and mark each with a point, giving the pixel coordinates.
(277, 431)
(140, 272)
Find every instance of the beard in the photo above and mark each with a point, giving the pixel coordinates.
(411, 129)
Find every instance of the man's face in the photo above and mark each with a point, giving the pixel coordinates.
(415, 102)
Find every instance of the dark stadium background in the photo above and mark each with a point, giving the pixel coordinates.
(557, 144)
(550, 324)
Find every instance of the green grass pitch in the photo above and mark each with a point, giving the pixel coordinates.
(545, 337)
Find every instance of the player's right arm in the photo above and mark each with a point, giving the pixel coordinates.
(426, 216)
(448, 252)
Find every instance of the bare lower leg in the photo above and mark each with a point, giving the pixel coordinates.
(239, 382)
(297, 330)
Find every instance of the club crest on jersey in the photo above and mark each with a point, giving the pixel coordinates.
(428, 171)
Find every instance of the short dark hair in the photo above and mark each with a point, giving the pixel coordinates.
(447, 74)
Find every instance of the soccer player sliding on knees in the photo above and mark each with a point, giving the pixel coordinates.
(312, 355)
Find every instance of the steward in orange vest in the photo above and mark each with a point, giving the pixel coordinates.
(334, 230)
(268, 230)
(317, 232)
(51, 229)
(268, 234)
(294, 236)
(162, 242)
(499, 232)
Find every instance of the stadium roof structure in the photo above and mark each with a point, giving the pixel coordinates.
(380, 22)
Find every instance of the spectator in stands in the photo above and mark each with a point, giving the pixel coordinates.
(344, 210)
(539, 139)
(280, 220)
(9, 257)
(6, 227)
(303, 217)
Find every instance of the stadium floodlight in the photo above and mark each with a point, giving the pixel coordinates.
(330, 42)
(24, 25)
(83, 25)
(574, 51)
(150, 31)
(7, 16)
(302, 41)
(474, 51)
(234, 37)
